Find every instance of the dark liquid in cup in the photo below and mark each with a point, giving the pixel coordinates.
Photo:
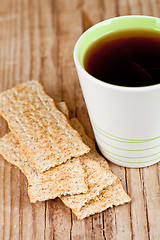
(125, 58)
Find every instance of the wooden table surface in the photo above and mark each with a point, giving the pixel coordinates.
(36, 42)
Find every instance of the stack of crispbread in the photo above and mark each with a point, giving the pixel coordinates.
(55, 154)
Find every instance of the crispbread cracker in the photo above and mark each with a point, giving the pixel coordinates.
(9, 144)
(52, 183)
(97, 178)
(43, 131)
(113, 195)
(68, 178)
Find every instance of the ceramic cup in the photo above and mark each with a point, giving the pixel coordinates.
(125, 120)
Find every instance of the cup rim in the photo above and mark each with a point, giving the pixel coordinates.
(105, 84)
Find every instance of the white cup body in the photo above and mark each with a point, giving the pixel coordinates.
(125, 120)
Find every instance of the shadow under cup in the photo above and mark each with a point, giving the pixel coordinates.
(125, 120)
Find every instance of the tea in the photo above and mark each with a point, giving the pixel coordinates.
(125, 58)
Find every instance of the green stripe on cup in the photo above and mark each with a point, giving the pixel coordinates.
(126, 156)
(119, 139)
(124, 149)
(117, 159)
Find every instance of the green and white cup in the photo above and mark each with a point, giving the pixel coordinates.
(125, 120)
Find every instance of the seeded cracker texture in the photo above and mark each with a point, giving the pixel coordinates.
(67, 178)
(97, 178)
(43, 131)
(112, 195)
(9, 144)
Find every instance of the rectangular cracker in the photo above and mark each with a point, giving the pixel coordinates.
(113, 195)
(43, 131)
(109, 196)
(97, 178)
(67, 178)
(44, 186)
(9, 143)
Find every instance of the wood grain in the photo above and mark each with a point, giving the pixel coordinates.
(37, 38)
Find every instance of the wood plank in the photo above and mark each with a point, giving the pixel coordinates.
(49, 229)
(147, 7)
(81, 229)
(1, 198)
(138, 208)
(7, 200)
(155, 6)
(3, 128)
(62, 221)
(48, 49)
(110, 9)
(123, 7)
(11, 196)
(3, 125)
(135, 7)
(35, 43)
(69, 29)
(151, 190)
(39, 220)
(15, 202)
(96, 10)
(26, 211)
(121, 221)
